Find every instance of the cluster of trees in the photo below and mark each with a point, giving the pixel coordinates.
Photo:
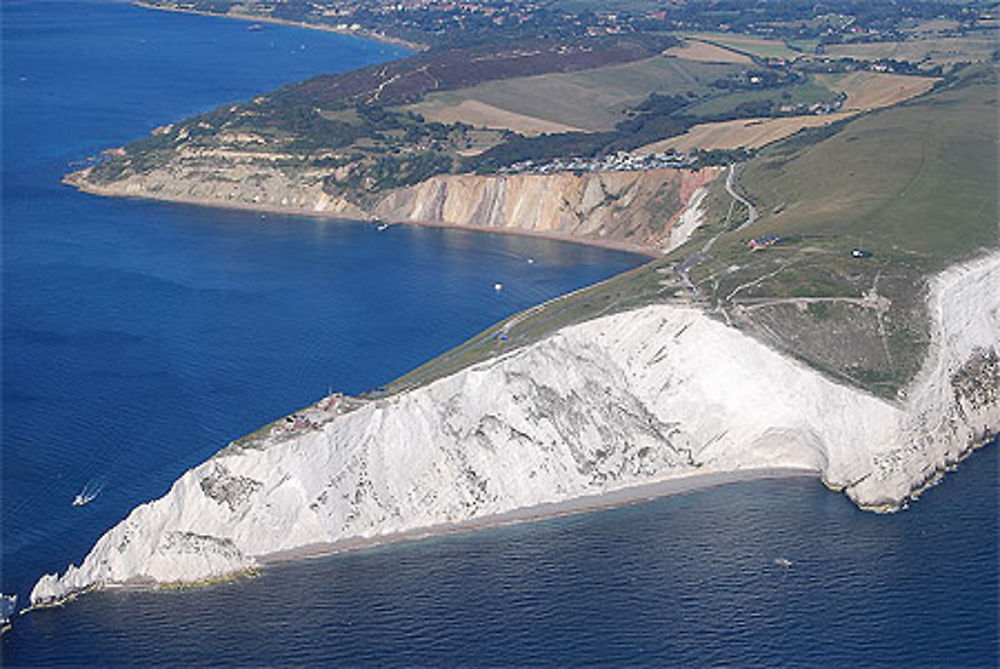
(758, 79)
(373, 174)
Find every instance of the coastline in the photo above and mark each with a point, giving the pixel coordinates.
(611, 499)
(252, 18)
(201, 542)
(612, 245)
(618, 497)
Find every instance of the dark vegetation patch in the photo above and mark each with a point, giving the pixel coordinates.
(407, 80)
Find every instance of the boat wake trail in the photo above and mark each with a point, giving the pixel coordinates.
(89, 492)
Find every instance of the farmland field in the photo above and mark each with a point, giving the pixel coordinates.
(453, 108)
(590, 100)
(944, 50)
(750, 133)
(707, 53)
(865, 91)
(868, 90)
(755, 46)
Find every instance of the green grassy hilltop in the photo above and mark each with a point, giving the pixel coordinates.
(913, 187)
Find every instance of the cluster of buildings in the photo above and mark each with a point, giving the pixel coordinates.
(763, 241)
(800, 108)
(622, 161)
(400, 9)
(312, 417)
(388, 7)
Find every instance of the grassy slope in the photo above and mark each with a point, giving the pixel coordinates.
(914, 184)
(917, 180)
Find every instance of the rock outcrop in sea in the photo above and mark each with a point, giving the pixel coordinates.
(647, 395)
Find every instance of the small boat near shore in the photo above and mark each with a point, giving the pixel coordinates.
(82, 499)
(8, 607)
(87, 495)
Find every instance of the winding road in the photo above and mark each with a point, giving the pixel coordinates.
(699, 256)
(751, 210)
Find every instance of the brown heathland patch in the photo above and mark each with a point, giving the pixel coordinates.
(707, 53)
(480, 114)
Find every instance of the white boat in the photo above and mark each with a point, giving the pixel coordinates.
(8, 606)
(89, 493)
(86, 496)
(83, 498)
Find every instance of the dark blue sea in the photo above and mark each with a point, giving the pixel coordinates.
(140, 337)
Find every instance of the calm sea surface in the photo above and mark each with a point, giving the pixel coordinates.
(139, 337)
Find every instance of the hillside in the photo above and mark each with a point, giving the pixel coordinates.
(917, 200)
(906, 168)
(915, 187)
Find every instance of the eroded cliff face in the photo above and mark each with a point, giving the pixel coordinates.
(633, 398)
(954, 402)
(638, 208)
(629, 209)
(227, 178)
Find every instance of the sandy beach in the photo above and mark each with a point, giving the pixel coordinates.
(253, 18)
(613, 245)
(611, 499)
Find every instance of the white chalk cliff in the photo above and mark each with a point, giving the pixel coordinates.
(627, 399)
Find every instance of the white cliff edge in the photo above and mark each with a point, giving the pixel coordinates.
(623, 400)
